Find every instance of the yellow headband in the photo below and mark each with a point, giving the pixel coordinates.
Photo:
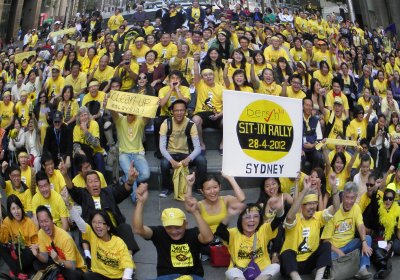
(310, 198)
(207, 71)
(7, 93)
(23, 154)
(223, 33)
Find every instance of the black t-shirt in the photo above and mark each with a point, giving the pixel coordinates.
(177, 257)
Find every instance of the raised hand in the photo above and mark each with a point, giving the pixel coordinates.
(142, 192)
(191, 204)
(190, 178)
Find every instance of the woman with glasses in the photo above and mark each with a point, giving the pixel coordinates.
(249, 240)
(110, 258)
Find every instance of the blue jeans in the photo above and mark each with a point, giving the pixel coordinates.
(356, 244)
(99, 162)
(141, 166)
(174, 276)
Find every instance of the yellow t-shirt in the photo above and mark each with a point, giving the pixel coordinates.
(177, 142)
(127, 81)
(241, 88)
(26, 176)
(304, 236)
(148, 29)
(12, 230)
(130, 135)
(22, 111)
(57, 181)
(174, 96)
(54, 203)
(80, 137)
(196, 48)
(79, 181)
(301, 24)
(365, 200)
(77, 84)
(89, 64)
(341, 229)
(138, 53)
(298, 55)
(99, 98)
(72, 106)
(326, 81)
(271, 55)
(115, 21)
(271, 89)
(6, 113)
(365, 104)
(389, 69)
(54, 87)
(341, 179)
(165, 52)
(24, 195)
(381, 87)
(64, 245)
(104, 76)
(288, 184)
(337, 128)
(330, 99)
(326, 56)
(357, 130)
(290, 93)
(240, 247)
(109, 258)
(206, 95)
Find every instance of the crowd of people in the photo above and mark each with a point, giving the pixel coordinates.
(57, 139)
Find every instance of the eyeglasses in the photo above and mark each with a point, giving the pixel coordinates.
(369, 185)
(390, 198)
(251, 217)
(142, 78)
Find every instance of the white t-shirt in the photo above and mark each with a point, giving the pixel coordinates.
(16, 92)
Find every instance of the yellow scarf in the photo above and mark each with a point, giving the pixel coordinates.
(150, 68)
(196, 13)
(307, 121)
(388, 218)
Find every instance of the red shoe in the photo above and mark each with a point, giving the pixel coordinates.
(22, 276)
(60, 277)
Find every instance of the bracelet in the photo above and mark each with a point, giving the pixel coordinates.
(363, 240)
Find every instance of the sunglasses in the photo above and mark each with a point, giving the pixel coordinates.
(142, 78)
(390, 198)
(369, 185)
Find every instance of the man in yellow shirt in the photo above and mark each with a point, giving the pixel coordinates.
(95, 95)
(77, 79)
(22, 108)
(340, 231)
(115, 21)
(83, 166)
(274, 51)
(302, 250)
(57, 182)
(127, 70)
(294, 90)
(55, 83)
(52, 200)
(57, 244)
(139, 50)
(103, 73)
(34, 39)
(6, 111)
(165, 49)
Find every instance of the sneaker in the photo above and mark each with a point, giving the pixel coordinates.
(363, 274)
(164, 193)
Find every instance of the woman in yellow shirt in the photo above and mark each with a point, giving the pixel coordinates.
(11, 74)
(68, 106)
(394, 121)
(260, 63)
(60, 60)
(25, 67)
(238, 61)
(381, 84)
(90, 61)
(21, 232)
(239, 80)
(213, 60)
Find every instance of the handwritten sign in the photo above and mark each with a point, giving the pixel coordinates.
(131, 103)
(21, 56)
(81, 44)
(262, 135)
(62, 32)
(340, 142)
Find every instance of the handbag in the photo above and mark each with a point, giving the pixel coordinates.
(252, 270)
(347, 266)
(219, 256)
(50, 273)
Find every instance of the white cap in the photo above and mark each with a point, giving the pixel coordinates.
(57, 22)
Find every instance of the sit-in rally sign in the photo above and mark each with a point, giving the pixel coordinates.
(262, 135)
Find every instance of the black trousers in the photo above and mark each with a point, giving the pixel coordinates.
(26, 256)
(75, 274)
(320, 258)
(93, 275)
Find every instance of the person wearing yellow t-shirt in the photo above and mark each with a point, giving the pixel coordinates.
(6, 110)
(110, 256)
(294, 90)
(267, 85)
(165, 48)
(334, 94)
(55, 83)
(323, 75)
(239, 80)
(302, 250)
(391, 67)
(196, 43)
(340, 231)
(298, 52)
(27, 172)
(52, 200)
(83, 166)
(17, 187)
(147, 27)
(86, 138)
(381, 84)
(139, 50)
(208, 111)
(275, 51)
(103, 73)
(115, 21)
(357, 128)
(95, 95)
(22, 108)
(56, 179)
(127, 70)
(184, 63)
(57, 244)
(90, 61)
(77, 79)
(323, 54)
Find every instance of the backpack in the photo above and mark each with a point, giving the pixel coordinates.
(187, 133)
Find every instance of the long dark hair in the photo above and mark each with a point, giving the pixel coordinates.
(68, 64)
(342, 157)
(242, 63)
(279, 74)
(245, 83)
(14, 199)
(106, 218)
(263, 196)
(224, 51)
(207, 62)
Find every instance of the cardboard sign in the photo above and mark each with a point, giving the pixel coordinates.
(21, 56)
(62, 32)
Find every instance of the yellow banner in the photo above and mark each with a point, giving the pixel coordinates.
(131, 103)
(62, 32)
(20, 56)
(336, 142)
(81, 44)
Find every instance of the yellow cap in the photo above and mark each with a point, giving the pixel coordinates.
(7, 93)
(55, 67)
(172, 217)
(392, 186)
(93, 83)
(139, 39)
(24, 93)
(310, 198)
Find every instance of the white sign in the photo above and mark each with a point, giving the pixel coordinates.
(262, 135)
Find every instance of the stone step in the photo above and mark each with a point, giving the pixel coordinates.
(212, 138)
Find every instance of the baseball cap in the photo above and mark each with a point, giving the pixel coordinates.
(57, 22)
(172, 217)
(310, 198)
(58, 116)
(55, 68)
(392, 186)
(338, 100)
